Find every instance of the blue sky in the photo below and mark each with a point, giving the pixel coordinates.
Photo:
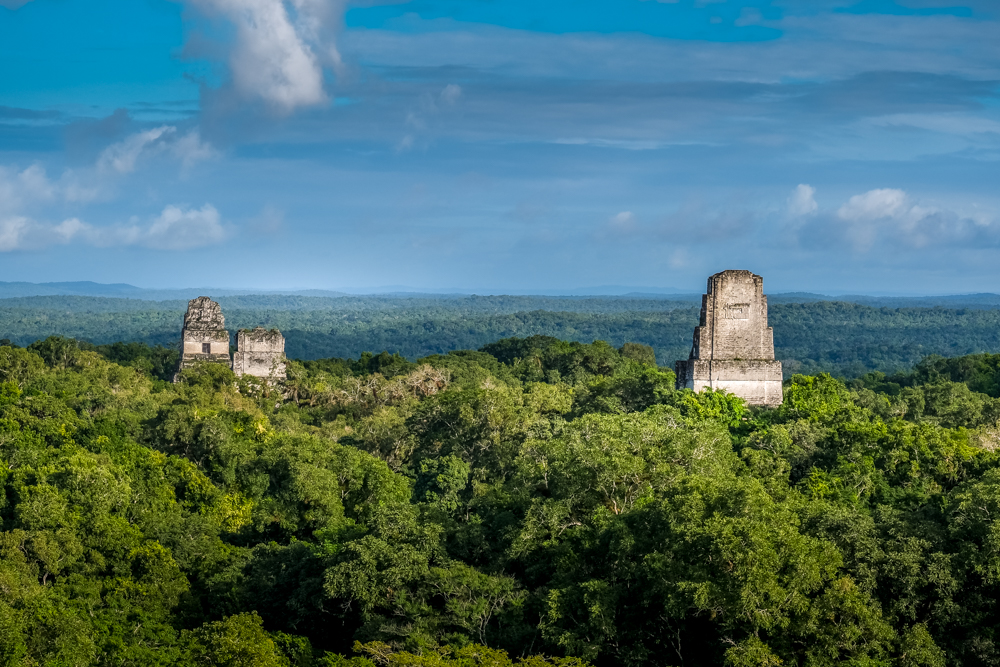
(829, 145)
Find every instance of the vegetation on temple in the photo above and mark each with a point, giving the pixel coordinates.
(533, 503)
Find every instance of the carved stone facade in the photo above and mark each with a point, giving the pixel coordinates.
(261, 353)
(733, 346)
(204, 337)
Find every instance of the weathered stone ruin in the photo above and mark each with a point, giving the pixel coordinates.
(204, 337)
(733, 346)
(260, 352)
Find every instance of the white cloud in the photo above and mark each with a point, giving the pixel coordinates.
(803, 200)
(34, 183)
(318, 21)
(20, 188)
(279, 54)
(122, 156)
(889, 219)
(23, 233)
(13, 4)
(67, 230)
(877, 214)
(874, 205)
(22, 191)
(190, 149)
(74, 191)
(179, 229)
(176, 228)
(12, 232)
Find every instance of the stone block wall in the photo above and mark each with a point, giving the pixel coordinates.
(733, 323)
(204, 336)
(260, 352)
(758, 381)
(733, 348)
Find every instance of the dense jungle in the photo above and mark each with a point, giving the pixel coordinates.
(811, 335)
(535, 502)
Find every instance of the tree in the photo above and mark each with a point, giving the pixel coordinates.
(237, 641)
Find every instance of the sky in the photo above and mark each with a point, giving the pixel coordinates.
(828, 145)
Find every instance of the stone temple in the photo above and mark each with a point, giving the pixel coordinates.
(260, 352)
(733, 346)
(204, 337)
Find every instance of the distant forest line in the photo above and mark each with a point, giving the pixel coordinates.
(845, 339)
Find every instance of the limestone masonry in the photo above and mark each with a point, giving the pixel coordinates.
(733, 346)
(204, 338)
(260, 352)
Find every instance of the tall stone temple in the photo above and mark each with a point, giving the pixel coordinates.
(733, 346)
(204, 338)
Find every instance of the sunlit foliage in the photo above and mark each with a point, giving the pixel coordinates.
(534, 503)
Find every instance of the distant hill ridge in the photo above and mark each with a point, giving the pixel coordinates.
(429, 305)
(10, 290)
(316, 298)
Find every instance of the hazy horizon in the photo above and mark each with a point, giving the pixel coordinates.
(587, 291)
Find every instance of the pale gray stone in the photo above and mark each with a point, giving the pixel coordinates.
(261, 353)
(733, 346)
(204, 337)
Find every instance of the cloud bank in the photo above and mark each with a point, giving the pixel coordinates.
(890, 220)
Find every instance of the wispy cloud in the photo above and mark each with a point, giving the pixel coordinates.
(802, 201)
(623, 220)
(451, 93)
(176, 228)
(122, 157)
(963, 124)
